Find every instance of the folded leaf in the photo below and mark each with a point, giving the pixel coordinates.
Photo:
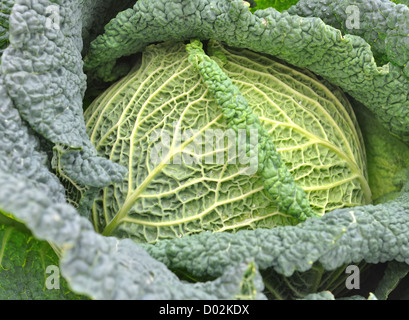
(378, 22)
(370, 233)
(43, 76)
(279, 184)
(105, 267)
(97, 13)
(20, 150)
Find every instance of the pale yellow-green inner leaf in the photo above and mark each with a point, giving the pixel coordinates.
(182, 193)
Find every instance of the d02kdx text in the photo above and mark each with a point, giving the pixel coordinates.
(225, 309)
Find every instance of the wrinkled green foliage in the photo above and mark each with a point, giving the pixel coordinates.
(41, 90)
(106, 268)
(32, 195)
(96, 15)
(373, 20)
(173, 189)
(344, 60)
(344, 236)
(48, 87)
(382, 24)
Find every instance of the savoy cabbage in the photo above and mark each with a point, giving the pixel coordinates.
(160, 122)
(88, 90)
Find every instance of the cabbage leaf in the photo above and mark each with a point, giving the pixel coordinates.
(344, 60)
(101, 267)
(160, 121)
(43, 76)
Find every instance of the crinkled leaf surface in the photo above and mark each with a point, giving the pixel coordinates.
(105, 268)
(157, 121)
(20, 152)
(344, 60)
(371, 233)
(96, 13)
(44, 61)
(95, 266)
(381, 23)
(279, 184)
(108, 268)
(43, 76)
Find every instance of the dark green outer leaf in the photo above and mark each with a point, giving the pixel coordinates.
(43, 76)
(394, 273)
(20, 150)
(107, 268)
(381, 23)
(370, 233)
(96, 14)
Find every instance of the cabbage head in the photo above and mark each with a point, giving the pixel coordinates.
(188, 173)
